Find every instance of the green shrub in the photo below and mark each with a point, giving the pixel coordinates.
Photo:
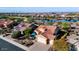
(16, 34)
(27, 32)
(18, 20)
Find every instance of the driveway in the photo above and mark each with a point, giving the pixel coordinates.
(39, 47)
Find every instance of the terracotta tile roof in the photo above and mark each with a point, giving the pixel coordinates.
(47, 31)
(4, 22)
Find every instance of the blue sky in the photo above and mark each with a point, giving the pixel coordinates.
(38, 9)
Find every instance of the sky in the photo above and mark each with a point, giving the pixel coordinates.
(38, 9)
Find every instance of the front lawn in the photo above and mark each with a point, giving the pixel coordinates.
(60, 44)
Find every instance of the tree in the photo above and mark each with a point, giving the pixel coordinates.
(30, 20)
(27, 32)
(50, 23)
(18, 20)
(4, 17)
(54, 17)
(16, 34)
(64, 25)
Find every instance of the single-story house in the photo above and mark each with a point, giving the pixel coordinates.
(21, 27)
(5, 23)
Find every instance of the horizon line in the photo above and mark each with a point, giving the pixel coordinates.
(37, 9)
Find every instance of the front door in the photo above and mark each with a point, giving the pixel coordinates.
(47, 41)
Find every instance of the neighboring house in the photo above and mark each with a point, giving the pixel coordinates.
(73, 25)
(5, 23)
(77, 46)
(33, 26)
(46, 34)
(74, 40)
(21, 27)
(77, 27)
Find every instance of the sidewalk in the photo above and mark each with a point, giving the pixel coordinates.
(14, 43)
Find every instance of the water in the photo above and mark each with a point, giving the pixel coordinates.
(60, 20)
(6, 46)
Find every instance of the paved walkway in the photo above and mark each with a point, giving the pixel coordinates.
(35, 47)
(14, 43)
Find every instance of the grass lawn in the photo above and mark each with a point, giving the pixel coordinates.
(60, 44)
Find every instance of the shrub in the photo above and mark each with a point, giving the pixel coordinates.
(16, 34)
(27, 32)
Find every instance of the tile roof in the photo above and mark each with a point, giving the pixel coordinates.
(22, 26)
(5, 22)
(47, 31)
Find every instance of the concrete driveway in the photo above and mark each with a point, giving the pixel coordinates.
(39, 47)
